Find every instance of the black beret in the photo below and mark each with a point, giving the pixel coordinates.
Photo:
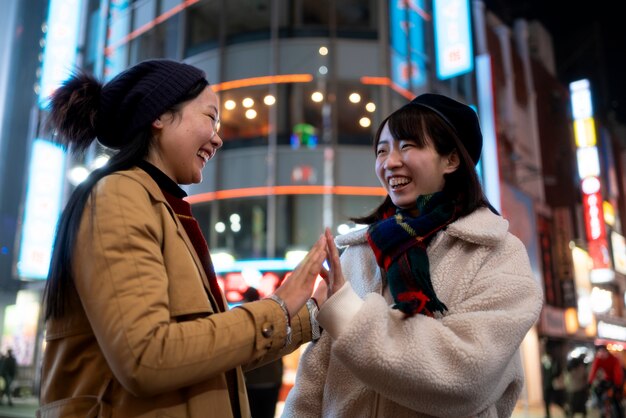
(137, 96)
(461, 118)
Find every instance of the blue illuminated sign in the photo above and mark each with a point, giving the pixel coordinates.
(453, 38)
(59, 56)
(42, 209)
(406, 35)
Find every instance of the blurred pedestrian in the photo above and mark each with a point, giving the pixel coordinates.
(438, 295)
(576, 387)
(553, 383)
(610, 375)
(136, 325)
(8, 370)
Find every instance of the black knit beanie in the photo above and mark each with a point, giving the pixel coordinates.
(460, 117)
(136, 97)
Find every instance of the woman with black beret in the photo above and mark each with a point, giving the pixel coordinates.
(437, 295)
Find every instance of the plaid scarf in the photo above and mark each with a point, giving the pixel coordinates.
(399, 242)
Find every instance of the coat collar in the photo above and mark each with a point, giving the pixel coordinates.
(155, 192)
(481, 227)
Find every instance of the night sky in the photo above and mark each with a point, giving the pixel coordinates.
(589, 42)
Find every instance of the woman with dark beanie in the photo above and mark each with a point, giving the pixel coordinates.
(438, 294)
(136, 325)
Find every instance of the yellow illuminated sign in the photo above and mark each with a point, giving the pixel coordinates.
(585, 132)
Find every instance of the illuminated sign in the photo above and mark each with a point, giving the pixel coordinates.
(619, 252)
(585, 132)
(406, 36)
(588, 162)
(42, 208)
(611, 331)
(61, 46)
(115, 60)
(453, 38)
(592, 204)
(589, 172)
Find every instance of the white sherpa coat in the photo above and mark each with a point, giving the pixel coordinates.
(370, 362)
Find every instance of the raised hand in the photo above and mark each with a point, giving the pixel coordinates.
(335, 278)
(298, 287)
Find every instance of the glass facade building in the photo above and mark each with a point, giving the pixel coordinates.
(303, 86)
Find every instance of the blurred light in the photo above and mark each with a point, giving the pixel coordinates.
(99, 161)
(609, 213)
(355, 97)
(343, 229)
(247, 102)
(585, 132)
(580, 97)
(220, 227)
(323, 50)
(365, 122)
(235, 227)
(588, 162)
(222, 260)
(269, 100)
(370, 107)
(571, 320)
(77, 175)
(323, 70)
(293, 257)
(317, 96)
(252, 276)
(235, 218)
(601, 300)
(590, 185)
(230, 104)
(251, 113)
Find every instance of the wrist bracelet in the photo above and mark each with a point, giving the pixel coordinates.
(283, 306)
(316, 332)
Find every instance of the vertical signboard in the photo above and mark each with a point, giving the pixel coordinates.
(408, 53)
(61, 46)
(42, 208)
(453, 38)
(591, 186)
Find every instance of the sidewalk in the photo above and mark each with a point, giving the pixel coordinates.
(26, 407)
(22, 408)
(522, 411)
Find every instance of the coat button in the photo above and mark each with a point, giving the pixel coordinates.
(267, 330)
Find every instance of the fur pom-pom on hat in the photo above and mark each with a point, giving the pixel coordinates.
(73, 110)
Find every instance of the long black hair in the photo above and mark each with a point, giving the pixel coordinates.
(425, 127)
(73, 114)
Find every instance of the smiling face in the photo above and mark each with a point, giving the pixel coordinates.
(407, 170)
(186, 141)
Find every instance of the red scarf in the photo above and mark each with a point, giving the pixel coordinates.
(182, 209)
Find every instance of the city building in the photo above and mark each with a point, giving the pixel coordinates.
(303, 86)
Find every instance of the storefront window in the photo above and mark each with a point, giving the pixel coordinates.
(245, 116)
(356, 109)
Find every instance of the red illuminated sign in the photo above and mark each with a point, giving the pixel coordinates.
(596, 231)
